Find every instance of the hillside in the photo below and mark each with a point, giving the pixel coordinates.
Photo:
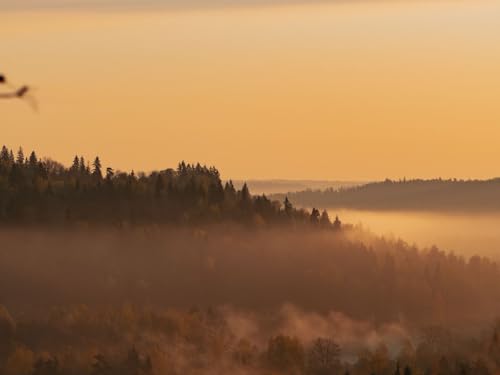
(43, 191)
(414, 195)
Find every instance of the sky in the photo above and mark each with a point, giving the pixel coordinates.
(348, 90)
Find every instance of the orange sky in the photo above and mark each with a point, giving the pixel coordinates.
(352, 90)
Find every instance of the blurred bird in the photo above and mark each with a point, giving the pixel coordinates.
(21, 93)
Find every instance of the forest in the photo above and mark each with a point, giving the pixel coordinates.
(43, 191)
(406, 195)
(228, 299)
(174, 272)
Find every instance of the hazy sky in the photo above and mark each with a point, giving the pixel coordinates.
(344, 90)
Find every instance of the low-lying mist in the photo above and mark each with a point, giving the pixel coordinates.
(465, 234)
(352, 272)
(227, 299)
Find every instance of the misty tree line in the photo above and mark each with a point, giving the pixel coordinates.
(432, 195)
(129, 341)
(387, 280)
(44, 191)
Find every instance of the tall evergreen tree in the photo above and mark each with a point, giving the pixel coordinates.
(315, 215)
(96, 171)
(33, 160)
(4, 154)
(75, 167)
(325, 219)
(82, 166)
(245, 193)
(20, 156)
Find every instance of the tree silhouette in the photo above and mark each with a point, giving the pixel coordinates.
(75, 167)
(20, 156)
(96, 171)
(33, 160)
(314, 217)
(325, 219)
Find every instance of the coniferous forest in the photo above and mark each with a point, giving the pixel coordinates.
(435, 195)
(104, 272)
(35, 190)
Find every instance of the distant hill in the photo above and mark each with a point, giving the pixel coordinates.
(414, 195)
(284, 186)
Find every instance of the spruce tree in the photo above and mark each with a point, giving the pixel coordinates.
(96, 171)
(325, 219)
(82, 167)
(20, 156)
(76, 165)
(33, 160)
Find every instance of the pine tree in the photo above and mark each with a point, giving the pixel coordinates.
(82, 167)
(33, 160)
(315, 215)
(245, 193)
(96, 171)
(229, 189)
(182, 168)
(75, 167)
(325, 219)
(20, 156)
(4, 154)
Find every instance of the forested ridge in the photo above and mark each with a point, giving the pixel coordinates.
(177, 273)
(416, 195)
(34, 190)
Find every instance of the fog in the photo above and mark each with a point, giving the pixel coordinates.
(228, 299)
(353, 272)
(465, 234)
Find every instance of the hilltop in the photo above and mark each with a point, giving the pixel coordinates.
(413, 195)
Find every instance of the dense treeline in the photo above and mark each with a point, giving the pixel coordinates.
(358, 274)
(44, 191)
(139, 341)
(419, 195)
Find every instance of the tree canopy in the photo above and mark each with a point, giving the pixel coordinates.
(34, 190)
